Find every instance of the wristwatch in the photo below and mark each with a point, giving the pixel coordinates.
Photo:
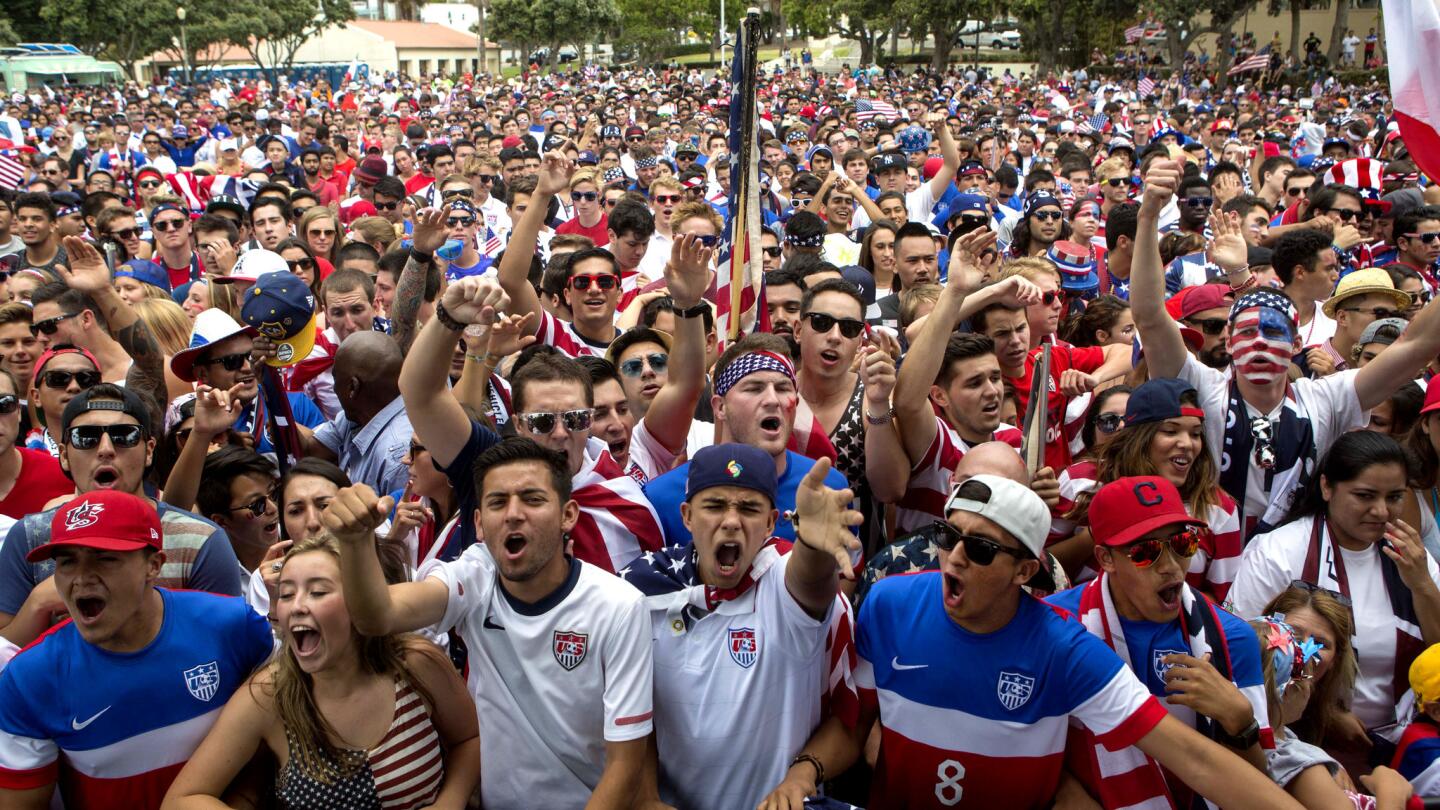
(880, 420)
(693, 312)
(1242, 741)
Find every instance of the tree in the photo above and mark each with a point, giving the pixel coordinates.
(651, 28)
(1338, 30)
(125, 30)
(553, 23)
(1181, 29)
(273, 30)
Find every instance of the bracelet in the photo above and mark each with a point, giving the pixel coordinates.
(1247, 284)
(422, 257)
(499, 358)
(477, 358)
(880, 420)
(696, 311)
(815, 763)
(446, 320)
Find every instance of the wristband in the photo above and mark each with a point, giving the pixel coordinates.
(1242, 741)
(422, 256)
(815, 763)
(446, 320)
(880, 420)
(693, 312)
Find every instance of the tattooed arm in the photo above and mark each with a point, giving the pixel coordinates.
(410, 287)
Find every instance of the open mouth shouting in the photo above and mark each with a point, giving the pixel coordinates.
(1169, 597)
(105, 477)
(88, 609)
(829, 358)
(515, 545)
(771, 426)
(727, 558)
(954, 591)
(305, 639)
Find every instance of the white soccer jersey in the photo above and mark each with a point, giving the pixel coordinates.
(737, 695)
(553, 681)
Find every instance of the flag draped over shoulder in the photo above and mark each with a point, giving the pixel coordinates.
(1412, 32)
(738, 278)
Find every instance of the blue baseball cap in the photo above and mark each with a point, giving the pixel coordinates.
(587, 158)
(888, 160)
(280, 306)
(731, 465)
(145, 271)
(1158, 399)
(962, 204)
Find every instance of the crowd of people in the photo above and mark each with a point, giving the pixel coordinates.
(386, 447)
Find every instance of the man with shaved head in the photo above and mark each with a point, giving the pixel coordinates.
(917, 551)
(373, 433)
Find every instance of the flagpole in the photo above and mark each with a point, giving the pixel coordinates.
(745, 225)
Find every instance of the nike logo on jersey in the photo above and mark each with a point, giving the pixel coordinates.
(895, 664)
(489, 625)
(79, 726)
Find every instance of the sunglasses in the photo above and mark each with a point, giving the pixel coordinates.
(1210, 326)
(1310, 587)
(1295, 192)
(257, 507)
(979, 550)
(390, 206)
(49, 326)
(668, 199)
(487, 179)
(416, 449)
(587, 196)
(1199, 202)
(127, 233)
(1378, 312)
(1427, 238)
(167, 225)
(1049, 297)
(772, 252)
(1345, 214)
(300, 264)
(635, 366)
(544, 422)
(1261, 432)
(124, 437)
(822, 323)
(1045, 216)
(1108, 423)
(1183, 544)
(457, 192)
(149, 184)
(1117, 182)
(327, 232)
(460, 222)
(60, 380)
(612, 203)
(231, 362)
(605, 281)
(9, 403)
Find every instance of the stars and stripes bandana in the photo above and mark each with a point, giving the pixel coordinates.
(748, 364)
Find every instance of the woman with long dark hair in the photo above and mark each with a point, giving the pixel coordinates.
(877, 255)
(352, 720)
(1347, 535)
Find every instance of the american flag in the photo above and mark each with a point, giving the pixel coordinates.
(1145, 87)
(1135, 32)
(1160, 125)
(12, 172)
(871, 108)
(1259, 61)
(738, 281)
(1099, 121)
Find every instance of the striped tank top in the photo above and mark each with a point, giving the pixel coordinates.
(404, 771)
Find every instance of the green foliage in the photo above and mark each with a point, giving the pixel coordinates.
(7, 31)
(553, 23)
(273, 30)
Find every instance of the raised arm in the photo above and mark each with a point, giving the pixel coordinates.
(887, 465)
(410, 287)
(88, 274)
(687, 274)
(948, 150)
(1403, 361)
(434, 412)
(214, 415)
(376, 609)
(861, 198)
(824, 541)
(553, 178)
(1164, 347)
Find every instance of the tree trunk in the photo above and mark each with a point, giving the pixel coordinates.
(1295, 29)
(1223, 58)
(941, 58)
(1338, 30)
(867, 47)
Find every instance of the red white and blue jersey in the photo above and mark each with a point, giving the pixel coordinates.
(114, 729)
(980, 721)
(1418, 757)
(932, 476)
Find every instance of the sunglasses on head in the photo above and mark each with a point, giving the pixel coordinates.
(257, 507)
(231, 362)
(822, 323)
(1210, 326)
(635, 366)
(87, 437)
(1310, 587)
(544, 422)
(979, 550)
(587, 196)
(49, 326)
(605, 281)
(1108, 423)
(167, 225)
(60, 380)
(1183, 544)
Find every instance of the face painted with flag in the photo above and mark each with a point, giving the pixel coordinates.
(1262, 341)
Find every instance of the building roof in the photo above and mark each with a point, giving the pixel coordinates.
(418, 35)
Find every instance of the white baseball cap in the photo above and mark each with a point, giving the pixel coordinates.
(253, 264)
(1013, 507)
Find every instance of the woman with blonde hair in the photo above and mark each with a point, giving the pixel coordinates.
(171, 327)
(383, 718)
(377, 232)
(320, 229)
(1326, 616)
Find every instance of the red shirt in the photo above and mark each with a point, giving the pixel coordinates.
(327, 192)
(417, 182)
(1087, 360)
(40, 480)
(599, 234)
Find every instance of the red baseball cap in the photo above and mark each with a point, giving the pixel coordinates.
(1432, 399)
(104, 519)
(1199, 298)
(1129, 508)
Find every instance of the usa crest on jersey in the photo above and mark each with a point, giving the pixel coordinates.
(570, 648)
(744, 646)
(203, 681)
(1014, 689)
(1156, 660)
